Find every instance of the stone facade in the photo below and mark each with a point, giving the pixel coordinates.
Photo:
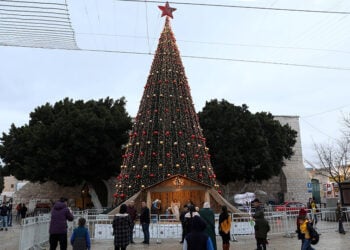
(291, 184)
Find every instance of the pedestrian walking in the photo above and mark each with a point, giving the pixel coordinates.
(121, 228)
(80, 239)
(60, 214)
(208, 216)
(304, 232)
(225, 227)
(197, 239)
(3, 216)
(339, 218)
(133, 215)
(261, 229)
(145, 221)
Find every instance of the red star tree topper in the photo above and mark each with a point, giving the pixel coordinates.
(167, 10)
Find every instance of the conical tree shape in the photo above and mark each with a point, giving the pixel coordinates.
(166, 138)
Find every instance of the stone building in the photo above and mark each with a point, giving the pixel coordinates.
(290, 185)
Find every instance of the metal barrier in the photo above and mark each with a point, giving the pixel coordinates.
(35, 230)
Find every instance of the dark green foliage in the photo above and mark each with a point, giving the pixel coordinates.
(245, 146)
(68, 142)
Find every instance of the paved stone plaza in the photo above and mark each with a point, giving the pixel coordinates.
(9, 240)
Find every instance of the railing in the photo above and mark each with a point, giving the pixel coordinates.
(35, 229)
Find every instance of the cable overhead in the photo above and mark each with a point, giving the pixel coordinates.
(246, 7)
(326, 67)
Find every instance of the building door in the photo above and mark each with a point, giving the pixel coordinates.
(316, 190)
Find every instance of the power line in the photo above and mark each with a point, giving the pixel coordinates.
(222, 59)
(246, 7)
(220, 43)
(326, 111)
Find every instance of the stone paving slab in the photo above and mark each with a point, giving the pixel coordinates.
(331, 240)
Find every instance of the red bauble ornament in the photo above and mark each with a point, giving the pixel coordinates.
(180, 133)
(193, 137)
(168, 155)
(154, 154)
(155, 132)
(138, 176)
(167, 133)
(196, 156)
(151, 175)
(183, 155)
(200, 175)
(116, 195)
(144, 133)
(142, 153)
(219, 191)
(122, 196)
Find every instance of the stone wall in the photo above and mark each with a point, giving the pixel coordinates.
(290, 185)
(48, 191)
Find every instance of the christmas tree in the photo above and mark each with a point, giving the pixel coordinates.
(166, 139)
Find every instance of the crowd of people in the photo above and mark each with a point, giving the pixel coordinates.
(198, 225)
(6, 214)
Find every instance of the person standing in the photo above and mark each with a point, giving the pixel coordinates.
(339, 218)
(189, 218)
(225, 227)
(208, 216)
(9, 215)
(145, 221)
(182, 219)
(121, 228)
(258, 208)
(60, 213)
(133, 214)
(3, 216)
(80, 238)
(24, 210)
(18, 209)
(197, 239)
(261, 228)
(313, 212)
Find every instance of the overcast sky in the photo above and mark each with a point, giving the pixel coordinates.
(30, 77)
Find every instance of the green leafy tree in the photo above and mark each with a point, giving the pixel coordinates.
(1, 178)
(69, 142)
(245, 146)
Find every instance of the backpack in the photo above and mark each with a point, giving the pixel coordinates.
(315, 236)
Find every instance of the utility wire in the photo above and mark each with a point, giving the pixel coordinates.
(246, 7)
(225, 59)
(219, 43)
(326, 111)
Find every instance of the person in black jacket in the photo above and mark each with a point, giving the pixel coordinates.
(197, 239)
(145, 221)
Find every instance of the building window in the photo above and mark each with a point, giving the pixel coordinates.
(12, 185)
